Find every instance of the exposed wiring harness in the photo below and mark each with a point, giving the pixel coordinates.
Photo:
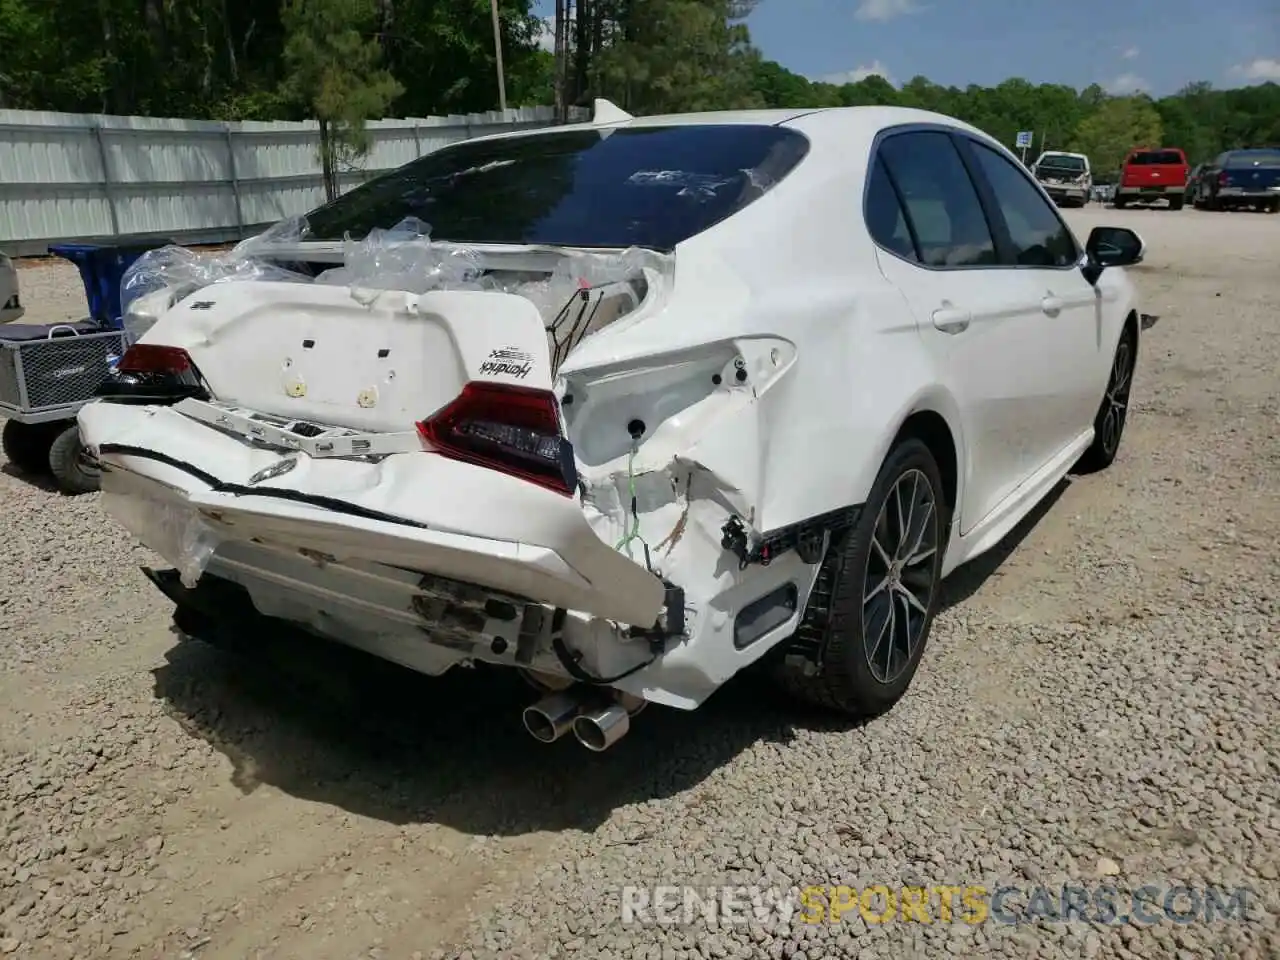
(574, 669)
(632, 526)
(631, 533)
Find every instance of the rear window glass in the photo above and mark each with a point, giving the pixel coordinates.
(1254, 158)
(1156, 157)
(645, 186)
(1060, 162)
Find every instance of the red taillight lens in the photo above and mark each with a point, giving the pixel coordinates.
(153, 373)
(154, 358)
(512, 429)
(1223, 179)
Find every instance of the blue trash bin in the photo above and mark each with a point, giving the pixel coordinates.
(102, 267)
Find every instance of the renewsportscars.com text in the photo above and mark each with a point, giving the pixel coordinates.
(942, 903)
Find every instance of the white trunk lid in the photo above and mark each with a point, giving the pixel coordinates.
(310, 352)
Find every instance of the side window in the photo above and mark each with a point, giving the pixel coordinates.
(1040, 238)
(885, 219)
(941, 202)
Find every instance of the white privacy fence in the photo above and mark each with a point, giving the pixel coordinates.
(67, 176)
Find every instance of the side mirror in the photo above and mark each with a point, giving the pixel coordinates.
(1111, 247)
(1115, 247)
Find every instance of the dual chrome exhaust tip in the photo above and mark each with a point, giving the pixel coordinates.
(597, 726)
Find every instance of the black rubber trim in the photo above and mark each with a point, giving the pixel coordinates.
(240, 490)
(562, 653)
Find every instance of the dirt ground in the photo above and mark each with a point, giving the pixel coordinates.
(165, 800)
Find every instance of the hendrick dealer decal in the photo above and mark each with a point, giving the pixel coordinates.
(508, 362)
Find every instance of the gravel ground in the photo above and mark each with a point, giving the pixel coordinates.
(1099, 704)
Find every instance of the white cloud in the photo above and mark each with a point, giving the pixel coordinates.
(547, 38)
(1126, 83)
(885, 9)
(1130, 53)
(875, 69)
(1259, 71)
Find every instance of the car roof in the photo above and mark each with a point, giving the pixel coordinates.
(852, 123)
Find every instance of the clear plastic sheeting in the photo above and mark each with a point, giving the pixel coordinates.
(176, 533)
(181, 271)
(577, 292)
(403, 258)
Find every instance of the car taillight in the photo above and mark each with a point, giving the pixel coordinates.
(515, 430)
(1223, 179)
(153, 373)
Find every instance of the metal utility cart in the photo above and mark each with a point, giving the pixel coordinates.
(48, 372)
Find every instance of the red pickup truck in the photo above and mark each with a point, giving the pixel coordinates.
(1153, 175)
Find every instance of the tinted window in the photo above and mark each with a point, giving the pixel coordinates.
(1156, 157)
(1040, 238)
(940, 199)
(647, 187)
(1058, 161)
(885, 219)
(1254, 158)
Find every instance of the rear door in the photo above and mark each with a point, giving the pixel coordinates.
(1064, 325)
(937, 247)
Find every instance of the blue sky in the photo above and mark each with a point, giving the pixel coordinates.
(1125, 45)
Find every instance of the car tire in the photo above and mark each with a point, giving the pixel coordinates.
(1118, 203)
(1175, 203)
(1113, 411)
(1273, 206)
(829, 662)
(66, 459)
(26, 445)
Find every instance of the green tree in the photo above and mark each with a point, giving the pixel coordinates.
(680, 55)
(225, 59)
(334, 68)
(442, 52)
(1116, 127)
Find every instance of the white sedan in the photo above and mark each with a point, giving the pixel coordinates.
(656, 399)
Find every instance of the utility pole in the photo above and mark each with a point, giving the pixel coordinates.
(497, 50)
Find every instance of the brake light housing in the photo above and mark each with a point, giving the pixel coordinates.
(1224, 179)
(153, 373)
(514, 430)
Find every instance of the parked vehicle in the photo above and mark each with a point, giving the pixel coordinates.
(1241, 178)
(1066, 177)
(792, 423)
(10, 302)
(48, 371)
(1194, 179)
(1150, 175)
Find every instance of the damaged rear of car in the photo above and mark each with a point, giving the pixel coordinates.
(479, 409)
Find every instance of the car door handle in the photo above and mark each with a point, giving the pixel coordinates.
(1052, 305)
(951, 320)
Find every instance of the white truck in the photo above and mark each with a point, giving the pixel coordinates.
(1066, 177)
